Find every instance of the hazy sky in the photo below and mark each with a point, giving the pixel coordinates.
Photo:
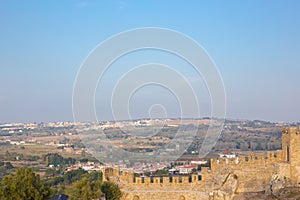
(255, 44)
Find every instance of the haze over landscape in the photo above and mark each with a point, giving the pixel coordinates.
(255, 45)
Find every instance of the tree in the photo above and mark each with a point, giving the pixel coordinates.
(73, 176)
(111, 191)
(84, 160)
(85, 189)
(95, 176)
(8, 165)
(24, 184)
(54, 181)
(53, 158)
(69, 161)
(161, 172)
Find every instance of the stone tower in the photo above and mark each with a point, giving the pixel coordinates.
(291, 150)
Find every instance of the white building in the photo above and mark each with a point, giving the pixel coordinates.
(186, 169)
(227, 156)
(198, 162)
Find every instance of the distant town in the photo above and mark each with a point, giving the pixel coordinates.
(25, 144)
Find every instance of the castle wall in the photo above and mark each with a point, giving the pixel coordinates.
(247, 169)
(250, 173)
(167, 183)
(291, 148)
(146, 188)
(169, 195)
(258, 168)
(283, 169)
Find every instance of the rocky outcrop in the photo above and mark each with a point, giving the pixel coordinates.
(277, 183)
(227, 183)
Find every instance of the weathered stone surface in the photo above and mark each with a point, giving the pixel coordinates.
(277, 183)
(228, 188)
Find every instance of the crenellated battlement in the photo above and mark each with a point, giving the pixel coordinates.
(269, 157)
(291, 131)
(238, 173)
(168, 180)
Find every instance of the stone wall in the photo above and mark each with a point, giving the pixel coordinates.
(249, 169)
(164, 195)
(225, 178)
(291, 148)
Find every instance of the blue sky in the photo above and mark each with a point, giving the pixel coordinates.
(255, 45)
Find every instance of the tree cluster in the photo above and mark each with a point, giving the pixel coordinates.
(25, 185)
(56, 159)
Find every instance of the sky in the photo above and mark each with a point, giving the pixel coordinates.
(254, 44)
